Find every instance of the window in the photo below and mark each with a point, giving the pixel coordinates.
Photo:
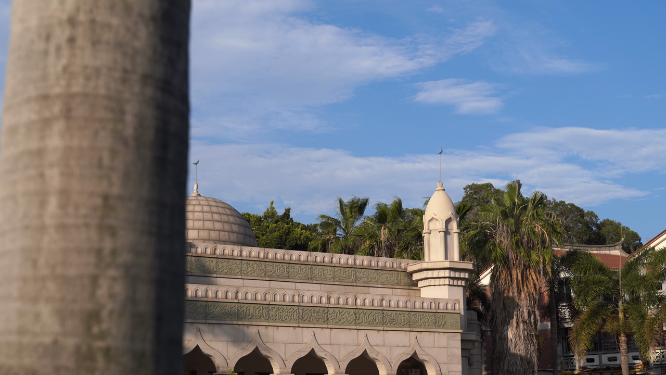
(563, 337)
(563, 291)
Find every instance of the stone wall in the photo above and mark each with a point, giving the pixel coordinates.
(282, 305)
(337, 347)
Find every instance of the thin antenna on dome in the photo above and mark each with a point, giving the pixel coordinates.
(440, 163)
(196, 172)
(196, 179)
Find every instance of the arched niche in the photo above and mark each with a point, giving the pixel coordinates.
(410, 364)
(198, 342)
(362, 365)
(254, 363)
(427, 365)
(196, 362)
(309, 364)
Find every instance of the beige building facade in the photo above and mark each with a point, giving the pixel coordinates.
(260, 311)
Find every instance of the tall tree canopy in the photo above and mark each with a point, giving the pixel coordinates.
(579, 226)
(337, 234)
(584, 227)
(516, 234)
(392, 231)
(280, 231)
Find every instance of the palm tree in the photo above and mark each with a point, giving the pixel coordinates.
(94, 166)
(516, 236)
(338, 232)
(381, 231)
(409, 245)
(623, 303)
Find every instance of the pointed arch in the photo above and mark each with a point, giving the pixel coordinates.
(444, 222)
(371, 353)
(329, 359)
(434, 222)
(273, 357)
(431, 364)
(218, 359)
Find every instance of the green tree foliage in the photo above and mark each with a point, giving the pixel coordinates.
(613, 231)
(337, 234)
(280, 231)
(476, 195)
(584, 227)
(579, 226)
(516, 234)
(392, 231)
(623, 303)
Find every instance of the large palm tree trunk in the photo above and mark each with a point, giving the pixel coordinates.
(514, 321)
(92, 187)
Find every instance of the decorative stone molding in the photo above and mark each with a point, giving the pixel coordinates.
(293, 256)
(237, 313)
(329, 359)
(372, 354)
(217, 357)
(207, 265)
(319, 298)
(279, 367)
(431, 364)
(453, 273)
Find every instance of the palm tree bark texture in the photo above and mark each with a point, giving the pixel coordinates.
(92, 187)
(516, 236)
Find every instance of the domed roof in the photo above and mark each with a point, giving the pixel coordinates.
(210, 220)
(440, 204)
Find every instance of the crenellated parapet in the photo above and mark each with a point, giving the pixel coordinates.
(295, 256)
(253, 294)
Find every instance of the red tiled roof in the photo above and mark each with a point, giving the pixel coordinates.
(647, 244)
(609, 260)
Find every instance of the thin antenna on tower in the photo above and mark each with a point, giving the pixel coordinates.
(195, 193)
(440, 163)
(196, 172)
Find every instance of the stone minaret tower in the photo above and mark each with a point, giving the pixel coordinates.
(442, 274)
(440, 228)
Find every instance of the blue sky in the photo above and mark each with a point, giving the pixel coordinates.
(304, 101)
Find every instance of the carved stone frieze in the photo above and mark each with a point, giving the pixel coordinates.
(312, 315)
(294, 271)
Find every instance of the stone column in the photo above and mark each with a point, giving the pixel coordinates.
(444, 279)
(426, 244)
(92, 187)
(442, 241)
(456, 244)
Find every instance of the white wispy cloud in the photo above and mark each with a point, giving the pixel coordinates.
(467, 97)
(621, 151)
(435, 9)
(528, 48)
(262, 59)
(549, 159)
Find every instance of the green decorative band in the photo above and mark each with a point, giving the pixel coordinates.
(295, 271)
(330, 316)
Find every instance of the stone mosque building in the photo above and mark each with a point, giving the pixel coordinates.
(263, 311)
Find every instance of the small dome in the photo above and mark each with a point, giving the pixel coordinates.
(210, 220)
(440, 204)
